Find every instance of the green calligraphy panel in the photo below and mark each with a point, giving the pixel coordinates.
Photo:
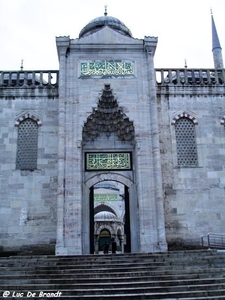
(108, 161)
(105, 197)
(106, 68)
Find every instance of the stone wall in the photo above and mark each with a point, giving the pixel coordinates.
(193, 196)
(28, 198)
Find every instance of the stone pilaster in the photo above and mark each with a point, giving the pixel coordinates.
(158, 221)
(60, 242)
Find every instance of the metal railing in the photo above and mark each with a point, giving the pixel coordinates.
(213, 241)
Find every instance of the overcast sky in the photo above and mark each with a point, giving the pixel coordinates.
(28, 29)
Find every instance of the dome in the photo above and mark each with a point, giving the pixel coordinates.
(105, 216)
(100, 22)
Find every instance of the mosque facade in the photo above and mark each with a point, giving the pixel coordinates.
(110, 147)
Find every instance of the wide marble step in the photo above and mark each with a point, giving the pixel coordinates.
(178, 275)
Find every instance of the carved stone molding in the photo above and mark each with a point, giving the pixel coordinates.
(108, 118)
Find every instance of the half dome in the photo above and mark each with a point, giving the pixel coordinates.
(100, 22)
(105, 216)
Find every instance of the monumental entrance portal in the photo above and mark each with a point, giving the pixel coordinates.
(108, 132)
(111, 134)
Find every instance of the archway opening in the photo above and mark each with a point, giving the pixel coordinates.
(104, 238)
(109, 217)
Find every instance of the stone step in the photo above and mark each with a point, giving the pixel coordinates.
(120, 297)
(144, 297)
(212, 272)
(109, 259)
(126, 294)
(85, 274)
(156, 254)
(123, 277)
(103, 262)
(101, 284)
(66, 283)
(160, 293)
(138, 256)
(142, 265)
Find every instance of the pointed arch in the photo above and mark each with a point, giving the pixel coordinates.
(186, 141)
(104, 176)
(108, 227)
(184, 115)
(222, 121)
(28, 115)
(27, 141)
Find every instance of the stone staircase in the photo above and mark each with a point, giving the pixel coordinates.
(186, 275)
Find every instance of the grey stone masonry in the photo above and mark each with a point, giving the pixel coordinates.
(193, 195)
(28, 197)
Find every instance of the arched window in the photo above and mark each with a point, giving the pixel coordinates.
(27, 145)
(186, 142)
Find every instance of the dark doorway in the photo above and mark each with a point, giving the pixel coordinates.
(91, 200)
(110, 208)
(127, 244)
(105, 237)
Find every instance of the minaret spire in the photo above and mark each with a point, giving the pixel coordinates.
(105, 13)
(21, 66)
(216, 48)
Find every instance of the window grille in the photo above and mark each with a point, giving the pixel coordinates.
(27, 145)
(186, 142)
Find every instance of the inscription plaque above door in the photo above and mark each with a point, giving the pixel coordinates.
(108, 161)
(107, 68)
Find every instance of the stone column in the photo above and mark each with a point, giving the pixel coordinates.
(159, 223)
(85, 213)
(122, 245)
(96, 244)
(60, 242)
(134, 227)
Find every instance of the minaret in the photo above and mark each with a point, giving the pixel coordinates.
(216, 48)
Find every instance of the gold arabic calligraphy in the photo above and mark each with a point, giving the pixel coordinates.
(105, 197)
(107, 68)
(108, 161)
